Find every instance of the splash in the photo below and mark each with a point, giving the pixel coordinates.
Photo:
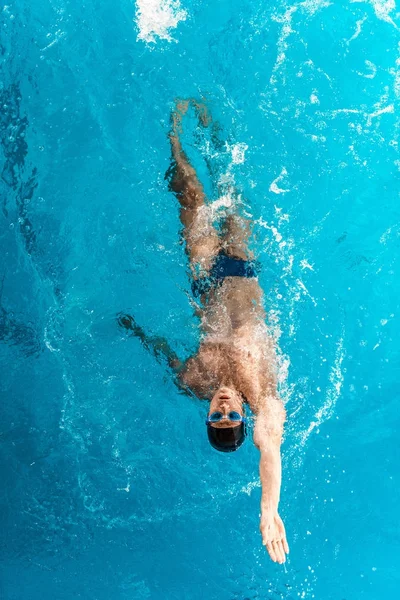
(313, 6)
(357, 32)
(223, 206)
(156, 18)
(326, 411)
(377, 113)
(282, 43)
(238, 152)
(382, 9)
(216, 210)
(274, 185)
(396, 74)
(372, 68)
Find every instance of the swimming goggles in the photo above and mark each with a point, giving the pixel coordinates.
(234, 416)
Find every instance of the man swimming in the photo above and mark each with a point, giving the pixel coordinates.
(236, 361)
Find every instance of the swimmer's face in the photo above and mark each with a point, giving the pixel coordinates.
(226, 400)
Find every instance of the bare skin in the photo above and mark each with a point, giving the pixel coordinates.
(236, 359)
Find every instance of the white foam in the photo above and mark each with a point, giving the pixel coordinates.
(229, 198)
(238, 152)
(355, 111)
(282, 44)
(382, 9)
(274, 185)
(396, 73)
(221, 207)
(357, 32)
(59, 34)
(326, 411)
(225, 201)
(305, 291)
(156, 18)
(314, 99)
(306, 265)
(247, 489)
(372, 68)
(313, 6)
(382, 111)
(379, 106)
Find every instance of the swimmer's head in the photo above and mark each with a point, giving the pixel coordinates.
(226, 424)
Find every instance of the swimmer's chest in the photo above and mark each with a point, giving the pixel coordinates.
(248, 370)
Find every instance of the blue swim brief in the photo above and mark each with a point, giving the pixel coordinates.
(225, 266)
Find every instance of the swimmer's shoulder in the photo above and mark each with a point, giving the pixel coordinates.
(189, 373)
(197, 371)
(270, 405)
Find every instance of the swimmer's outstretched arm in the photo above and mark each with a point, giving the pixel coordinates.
(157, 345)
(268, 438)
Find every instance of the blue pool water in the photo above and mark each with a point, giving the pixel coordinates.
(109, 486)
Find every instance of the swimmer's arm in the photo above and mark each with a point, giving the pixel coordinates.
(270, 467)
(268, 438)
(157, 345)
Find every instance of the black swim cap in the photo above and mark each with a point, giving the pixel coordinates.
(226, 439)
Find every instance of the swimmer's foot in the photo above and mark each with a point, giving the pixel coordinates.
(178, 114)
(176, 127)
(202, 112)
(274, 536)
(182, 107)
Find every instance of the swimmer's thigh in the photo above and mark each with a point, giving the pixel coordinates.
(202, 241)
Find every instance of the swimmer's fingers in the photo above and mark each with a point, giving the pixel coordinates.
(282, 535)
(177, 115)
(276, 551)
(271, 551)
(202, 112)
(285, 545)
(274, 537)
(267, 531)
(279, 551)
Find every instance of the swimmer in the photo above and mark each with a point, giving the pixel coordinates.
(236, 360)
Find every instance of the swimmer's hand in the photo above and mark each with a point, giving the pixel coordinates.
(157, 345)
(274, 536)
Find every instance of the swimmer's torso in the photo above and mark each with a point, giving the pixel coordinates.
(234, 309)
(236, 348)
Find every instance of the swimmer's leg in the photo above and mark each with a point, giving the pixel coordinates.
(202, 242)
(236, 232)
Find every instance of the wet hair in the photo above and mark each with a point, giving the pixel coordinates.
(226, 439)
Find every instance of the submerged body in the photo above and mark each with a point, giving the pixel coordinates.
(236, 359)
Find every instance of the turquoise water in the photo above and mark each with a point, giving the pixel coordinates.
(109, 486)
